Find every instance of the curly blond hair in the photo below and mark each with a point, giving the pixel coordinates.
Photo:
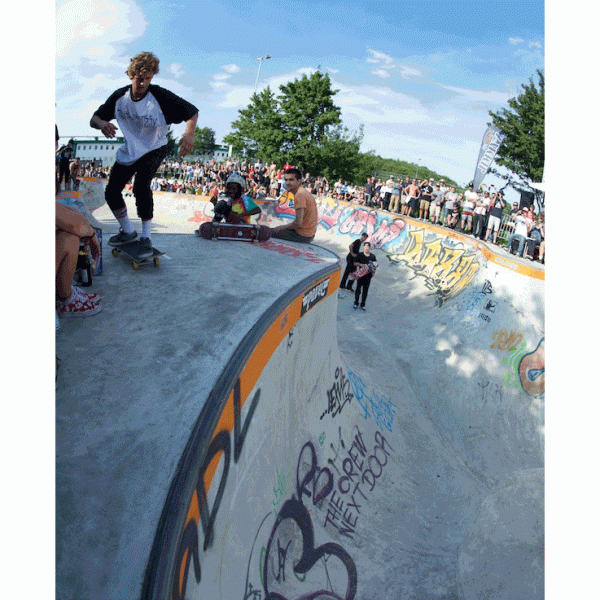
(142, 62)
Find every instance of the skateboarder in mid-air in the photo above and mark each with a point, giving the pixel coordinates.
(238, 208)
(144, 113)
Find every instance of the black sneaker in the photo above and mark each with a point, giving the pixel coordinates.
(146, 250)
(122, 238)
(355, 306)
(363, 308)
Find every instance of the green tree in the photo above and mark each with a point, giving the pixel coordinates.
(339, 155)
(204, 140)
(308, 118)
(172, 148)
(522, 151)
(258, 128)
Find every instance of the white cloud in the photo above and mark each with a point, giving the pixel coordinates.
(176, 70)
(82, 24)
(407, 72)
(379, 57)
(535, 45)
(491, 96)
(383, 73)
(231, 69)
(385, 64)
(333, 71)
(515, 40)
(221, 76)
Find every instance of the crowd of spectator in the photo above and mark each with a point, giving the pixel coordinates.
(480, 213)
(477, 213)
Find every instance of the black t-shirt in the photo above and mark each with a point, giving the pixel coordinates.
(369, 189)
(363, 259)
(497, 208)
(426, 192)
(355, 248)
(65, 153)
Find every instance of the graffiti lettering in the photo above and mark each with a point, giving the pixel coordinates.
(360, 467)
(289, 251)
(505, 340)
(447, 269)
(199, 511)
(339, 394)
(381, 408)
(360, 220)
(301, 540)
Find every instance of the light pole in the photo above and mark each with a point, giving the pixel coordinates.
(260, 59)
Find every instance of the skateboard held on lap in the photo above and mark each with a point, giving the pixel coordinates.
(132, 251)
(228, 231)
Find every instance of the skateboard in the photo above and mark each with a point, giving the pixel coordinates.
(228, 231)
(362, 270)
(132, 251)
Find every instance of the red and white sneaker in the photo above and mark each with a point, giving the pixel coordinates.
(84, 296)
(78, 307)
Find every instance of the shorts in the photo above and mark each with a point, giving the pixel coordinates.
(414, 203)
(424, 205)
(494, 223)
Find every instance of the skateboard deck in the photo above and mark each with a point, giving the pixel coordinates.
(228, 231)
(362, 270)
(132, 251)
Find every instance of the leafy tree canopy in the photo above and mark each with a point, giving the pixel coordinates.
(522, 151)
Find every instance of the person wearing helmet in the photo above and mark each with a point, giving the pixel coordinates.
(238, 208)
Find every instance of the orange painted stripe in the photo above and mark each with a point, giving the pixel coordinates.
(263, 352)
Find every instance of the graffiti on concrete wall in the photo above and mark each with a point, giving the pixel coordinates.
(201, 515)
(503, 340)
(532, 371)
(525, 370)
(384, 230)
(338, 395)
(375, 406)
(446, 266)
(294, 564)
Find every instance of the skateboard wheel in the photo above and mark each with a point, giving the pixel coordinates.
(115, 252)
(156, 262)
(136, 265)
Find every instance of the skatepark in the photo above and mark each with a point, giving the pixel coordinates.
(241, 432)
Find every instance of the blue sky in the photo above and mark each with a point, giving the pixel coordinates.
(420, 76)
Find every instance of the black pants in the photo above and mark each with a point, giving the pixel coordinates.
(144, 169)
(349, 269)
(362, 285)
(63, 171)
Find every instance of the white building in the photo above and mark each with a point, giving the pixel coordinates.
(103, 152)
(98, 150)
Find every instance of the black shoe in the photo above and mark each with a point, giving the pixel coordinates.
(146, 250)
(355, 306)
(363, 308)
(122, 238)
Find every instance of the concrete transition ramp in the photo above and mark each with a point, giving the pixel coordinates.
(229, 428)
